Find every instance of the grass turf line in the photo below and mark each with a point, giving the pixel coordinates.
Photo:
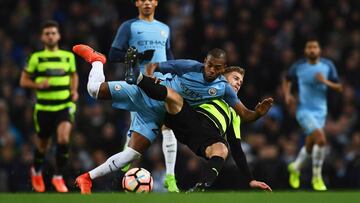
(208, 197)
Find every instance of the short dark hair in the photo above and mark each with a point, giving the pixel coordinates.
(312, 39)
(49, 23)
(231, 69)
(217, 53)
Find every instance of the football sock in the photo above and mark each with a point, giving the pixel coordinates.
(318, 156)
(96, 77)
(301, 158)
(38, 160)
(212, 170)
(62, 157)
(169, 146)
(153, 90)
(115, 162)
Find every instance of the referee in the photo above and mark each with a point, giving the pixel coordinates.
(52, 74)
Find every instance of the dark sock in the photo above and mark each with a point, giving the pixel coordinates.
(62, 156)
(38, 160)
(154, 91)
(212, 170)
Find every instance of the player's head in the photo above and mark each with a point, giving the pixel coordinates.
(146, 7)
(50, 34)
(235, 76)
(215, 63)
(312, 49)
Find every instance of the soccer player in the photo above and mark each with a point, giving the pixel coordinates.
(152, 38)
(52, 74)
(191, 87)
(151, 112)
(313, 75)
(227, 122)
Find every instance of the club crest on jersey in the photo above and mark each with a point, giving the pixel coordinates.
(117, 87)
(212, 91)
(164, 33)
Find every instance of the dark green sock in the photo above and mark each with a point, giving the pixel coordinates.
(62, 157)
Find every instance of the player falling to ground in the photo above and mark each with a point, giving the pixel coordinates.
(314, 75)
(184, 90)
(52, 74)
(223, 118)
(202, 79)
(152, 38)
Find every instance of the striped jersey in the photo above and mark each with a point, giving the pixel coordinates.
(56, 67)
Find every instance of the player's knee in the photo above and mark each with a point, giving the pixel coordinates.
(217, 149)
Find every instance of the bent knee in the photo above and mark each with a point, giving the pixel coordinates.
(217, 149)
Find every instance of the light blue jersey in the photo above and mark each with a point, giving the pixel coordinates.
(189, 83)
(312, 109)
(144, 36)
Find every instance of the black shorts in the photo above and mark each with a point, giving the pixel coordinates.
(194, 129)
(46, 122)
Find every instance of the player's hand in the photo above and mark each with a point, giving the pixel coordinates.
(264, 106)
(260, 185)
(74, 96)
(150, 69)
(320, 78)
(44, 85)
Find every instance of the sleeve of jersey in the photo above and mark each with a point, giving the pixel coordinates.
(291, 73)
(120, 43)
(31, 66)
(169, 54)
(230, 96)
(72, 63)
(238, 155)
(180, 67)
(333, 75)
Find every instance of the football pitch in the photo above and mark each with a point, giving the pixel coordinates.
(208, 197)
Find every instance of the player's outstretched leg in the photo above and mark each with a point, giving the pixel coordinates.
(114, 163)
(216, 153)
(169, 146)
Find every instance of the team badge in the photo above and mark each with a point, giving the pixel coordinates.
(164, 33)
(117, 87)
(212, 91)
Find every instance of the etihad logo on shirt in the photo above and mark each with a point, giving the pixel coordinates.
(189, 93)
(151, 43)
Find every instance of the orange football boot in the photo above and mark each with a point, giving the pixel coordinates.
(84, 183)
(88, 53)
(37, 181)
(59, 184)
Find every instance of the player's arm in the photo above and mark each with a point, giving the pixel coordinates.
(120, 44)
(333, 79)
(169, 54)
(74, 79)
(246, 114)
(26, 80)
(290, 100)
(74, 85)
(332, 85)
(241, 162)
(178, 67)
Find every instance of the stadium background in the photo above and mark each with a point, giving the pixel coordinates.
(265, 37)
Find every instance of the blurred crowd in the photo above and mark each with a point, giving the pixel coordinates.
(264, 37)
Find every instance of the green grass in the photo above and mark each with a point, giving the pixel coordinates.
(221, 197)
